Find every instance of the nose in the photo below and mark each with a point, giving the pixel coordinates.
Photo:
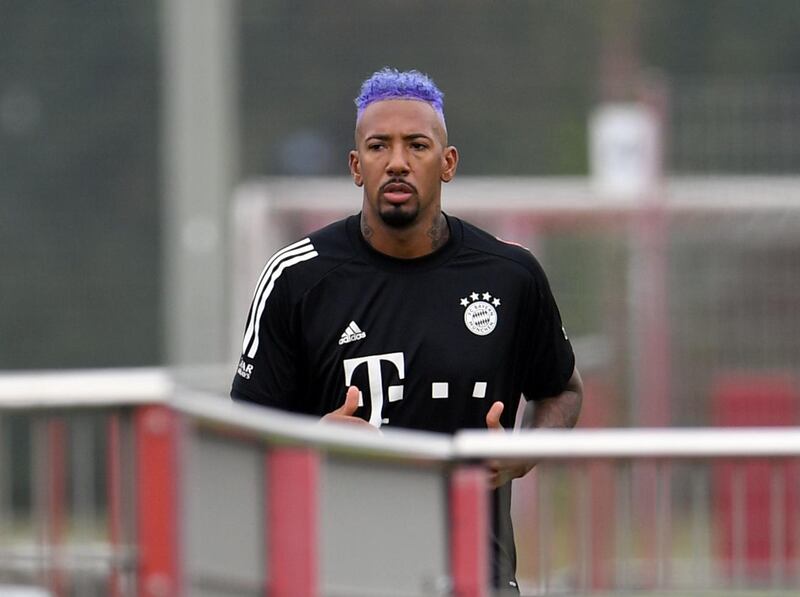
(398, 162)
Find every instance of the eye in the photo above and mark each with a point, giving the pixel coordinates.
(418, 146)
(375, 146)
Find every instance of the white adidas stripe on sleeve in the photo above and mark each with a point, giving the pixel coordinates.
(278, 254)
(263, 279)
(287, 257)
(298, 248)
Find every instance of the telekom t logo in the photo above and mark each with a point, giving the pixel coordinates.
(376, 380)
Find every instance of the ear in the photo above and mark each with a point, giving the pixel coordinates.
(355, 168)
(449, 163)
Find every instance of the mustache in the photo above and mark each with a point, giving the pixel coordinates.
(398, 181)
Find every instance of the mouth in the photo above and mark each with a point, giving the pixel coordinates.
(397, 192)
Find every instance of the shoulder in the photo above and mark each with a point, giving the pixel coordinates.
(507, 255)
(332, 242)
(302, 264)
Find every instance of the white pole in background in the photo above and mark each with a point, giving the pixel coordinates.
(200, 158)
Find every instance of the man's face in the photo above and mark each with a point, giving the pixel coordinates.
(401, 159)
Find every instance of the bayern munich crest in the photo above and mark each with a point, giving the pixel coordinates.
(480, 313)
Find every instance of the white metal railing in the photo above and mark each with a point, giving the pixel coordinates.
(81, 388)
(305, 430)
(665, 443)
(539, 444)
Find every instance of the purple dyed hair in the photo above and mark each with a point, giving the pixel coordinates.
(390, 83)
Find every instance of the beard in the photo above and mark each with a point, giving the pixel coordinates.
(398, 217)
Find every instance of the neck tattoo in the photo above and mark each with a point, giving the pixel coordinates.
(366, 231)
(439, 232)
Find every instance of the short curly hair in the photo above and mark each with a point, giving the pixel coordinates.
(390, 83)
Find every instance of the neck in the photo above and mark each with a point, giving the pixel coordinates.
(417, 240)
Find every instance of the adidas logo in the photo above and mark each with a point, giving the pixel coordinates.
(351, 334)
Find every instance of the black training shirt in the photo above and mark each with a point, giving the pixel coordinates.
(431, 342)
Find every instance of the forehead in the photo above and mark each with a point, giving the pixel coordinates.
(398, 116)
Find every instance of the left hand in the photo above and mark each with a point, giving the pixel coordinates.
(501, 472)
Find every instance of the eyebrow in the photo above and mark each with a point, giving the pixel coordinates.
(385, 137)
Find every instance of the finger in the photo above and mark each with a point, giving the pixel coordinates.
(350, 405)
(493, 416)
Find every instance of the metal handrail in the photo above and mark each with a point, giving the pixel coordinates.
(283, 427)
(84, 388)
(742, 442)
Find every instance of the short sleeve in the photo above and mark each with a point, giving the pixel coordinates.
(267, 372)
(549, 360)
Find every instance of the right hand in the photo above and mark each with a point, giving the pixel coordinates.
(346, 412)
(501, 472)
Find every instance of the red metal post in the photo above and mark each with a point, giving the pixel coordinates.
(292, 522)
(469, 532)
(56, 501)
(114, 497)
(157, 431)
(595, 414)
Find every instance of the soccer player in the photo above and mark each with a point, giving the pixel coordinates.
(404, 316)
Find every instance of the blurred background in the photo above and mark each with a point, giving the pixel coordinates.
(131, 134)
(94, 164)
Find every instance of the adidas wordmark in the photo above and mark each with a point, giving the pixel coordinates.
(352, 333)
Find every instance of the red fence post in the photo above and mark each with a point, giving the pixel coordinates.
(157, 431)
(56, 501)
(469, 532)
(597, 405)
(114, 498)
(292, 522)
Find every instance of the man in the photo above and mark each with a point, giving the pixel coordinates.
(403, 316)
